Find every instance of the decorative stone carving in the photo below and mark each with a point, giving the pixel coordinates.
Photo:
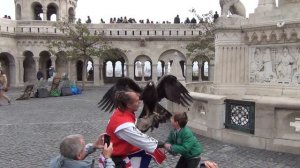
(279, 65)
(296, 124)
(235, 7)
(143, 42)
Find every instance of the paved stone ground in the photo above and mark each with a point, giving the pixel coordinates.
(31, 130)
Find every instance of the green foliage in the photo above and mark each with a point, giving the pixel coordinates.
(204, 44)
(78, 42)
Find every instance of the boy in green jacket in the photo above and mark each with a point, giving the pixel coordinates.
(182, 141)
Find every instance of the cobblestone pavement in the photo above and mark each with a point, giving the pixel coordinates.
(31, 130)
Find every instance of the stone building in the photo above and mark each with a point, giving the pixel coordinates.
(148, 47)
(254, 97)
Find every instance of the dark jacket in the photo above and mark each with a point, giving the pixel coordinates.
(185, 143)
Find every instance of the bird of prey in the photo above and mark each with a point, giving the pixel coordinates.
(153, 113)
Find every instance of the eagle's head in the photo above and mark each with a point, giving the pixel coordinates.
(150, 84)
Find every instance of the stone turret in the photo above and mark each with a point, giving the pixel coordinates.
(265, 5)
(45, 10)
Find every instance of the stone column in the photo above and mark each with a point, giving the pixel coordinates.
(154, 72)
(166, 68)
(101, 75)
(131, 71)
(96, 71)
(37, 63)
(114, 70)
(143, 71)
(189, 72)
(69, 68)
(53, 59)
(200, 71)
(44, 13)
(211, 69)
(20, 72)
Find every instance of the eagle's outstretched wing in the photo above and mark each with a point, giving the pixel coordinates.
(169, 87)
(125, 84)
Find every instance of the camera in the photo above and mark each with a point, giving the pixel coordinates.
(106, 139)
(202, 165)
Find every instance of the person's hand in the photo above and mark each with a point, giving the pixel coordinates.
(210, 164)
(167, 146)
(107, 151)
(99, 144)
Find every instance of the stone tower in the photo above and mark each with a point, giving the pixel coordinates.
(46, 10)
(265, 5)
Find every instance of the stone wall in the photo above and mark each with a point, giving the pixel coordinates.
(274, 128)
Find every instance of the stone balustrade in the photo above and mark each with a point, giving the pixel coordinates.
(111, 30)
(200, 87)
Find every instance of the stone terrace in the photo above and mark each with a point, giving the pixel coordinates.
(31, 130)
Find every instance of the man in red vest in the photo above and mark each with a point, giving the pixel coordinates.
(131, 147)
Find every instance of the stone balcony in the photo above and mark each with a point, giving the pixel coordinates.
(120, 30)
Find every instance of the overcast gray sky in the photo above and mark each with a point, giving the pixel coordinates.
(155, 10)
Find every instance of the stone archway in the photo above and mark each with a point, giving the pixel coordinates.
(71, 14)
(90, 70)
(37, 11)
(114, 65)
(29, 67)
(8, 65)
(52, 12)
(200, 68)
(45, 63)
(143, 68)
(168, 57)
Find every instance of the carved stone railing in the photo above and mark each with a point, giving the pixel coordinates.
(275, 121)
(112, 30)
(200, 87)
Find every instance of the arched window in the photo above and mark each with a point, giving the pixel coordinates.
(159, 69)
(138, 69)
(18, 12)
(90, 71)
(29, 67)
(79, 67)
(52, 12)
(195, 69)
(71, 15)
(118, 69)
(205, 69)
(147, 69)
(109, 69)
(37, 11)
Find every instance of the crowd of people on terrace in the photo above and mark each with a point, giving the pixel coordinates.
(147, 21)
(6, 17)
